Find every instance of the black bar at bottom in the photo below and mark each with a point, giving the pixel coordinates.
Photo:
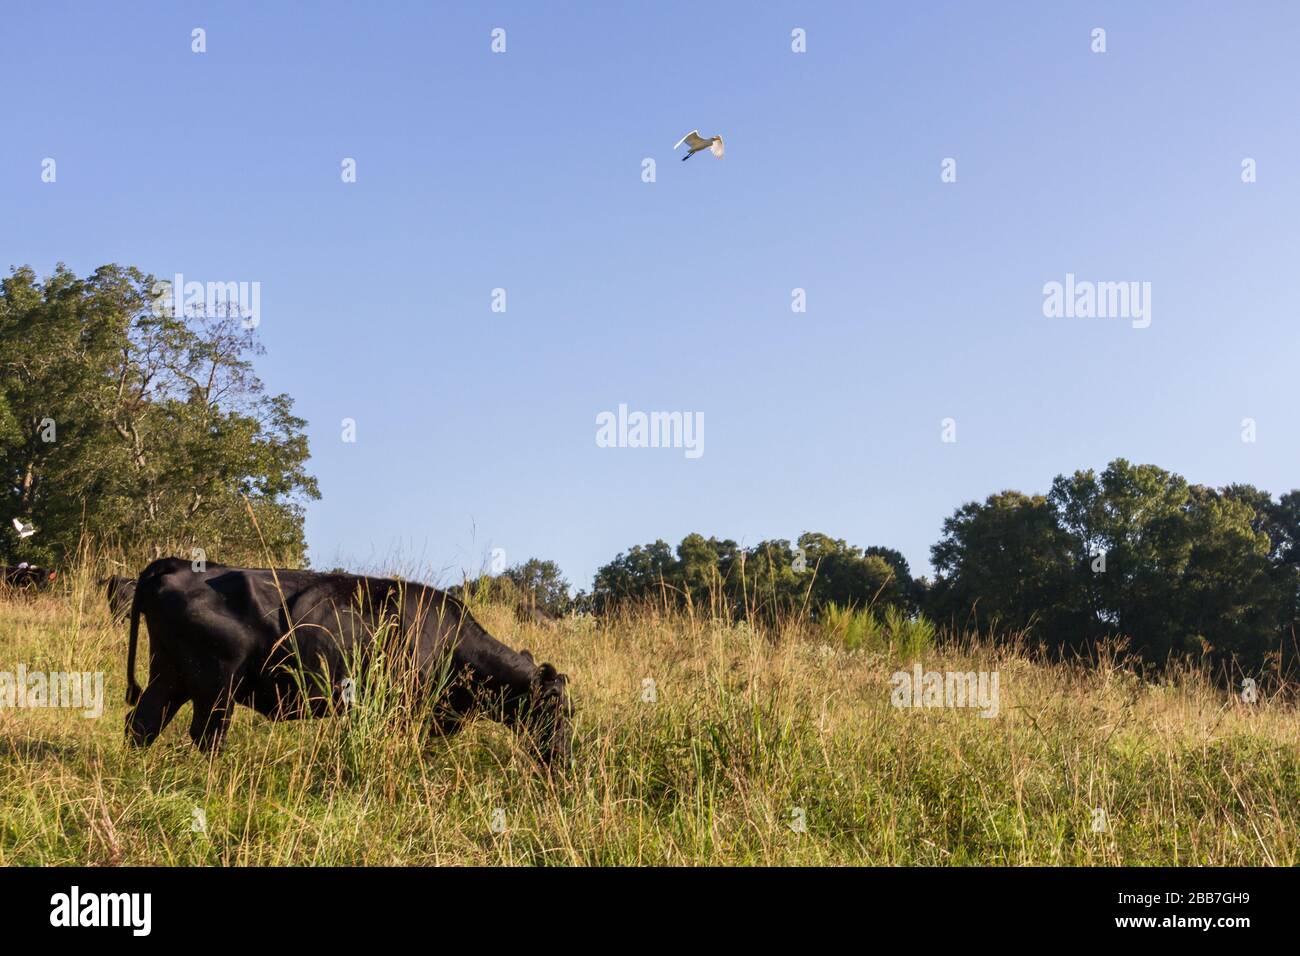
(332, 906)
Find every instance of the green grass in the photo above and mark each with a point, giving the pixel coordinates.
(746, 728)
(861, 629)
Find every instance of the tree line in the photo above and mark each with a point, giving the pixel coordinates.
(1134, 551)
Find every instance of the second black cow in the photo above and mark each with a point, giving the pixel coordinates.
(120, 591)
(25, 577)
(295, 644)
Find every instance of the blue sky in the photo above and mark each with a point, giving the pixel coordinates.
(522, 171)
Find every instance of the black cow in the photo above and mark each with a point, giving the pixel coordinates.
(288, 643)
(26, 576)
(120, 591)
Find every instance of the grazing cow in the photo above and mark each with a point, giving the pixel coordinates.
(292, 644)
(26, 577)
(119, 591)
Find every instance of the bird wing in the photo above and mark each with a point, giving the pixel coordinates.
(717, 147)
(694, 140)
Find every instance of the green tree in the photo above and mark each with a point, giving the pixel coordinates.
(849, 576)
(1003, 563)
(649, 573)
(1134, 551)
(141, 428)
(540, 584)
(707, 568)
(768, 579)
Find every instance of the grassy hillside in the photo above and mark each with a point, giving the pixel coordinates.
(743, 732)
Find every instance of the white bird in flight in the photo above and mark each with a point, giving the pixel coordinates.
(24, 530)
(697, 143)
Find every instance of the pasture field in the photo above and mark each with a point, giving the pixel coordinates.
(756, 749)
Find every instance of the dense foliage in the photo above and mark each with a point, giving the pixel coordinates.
(1134, 551)
(532, 584)
(123, 423)
(763, 580)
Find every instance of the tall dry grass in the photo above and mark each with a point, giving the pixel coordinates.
(747, 733)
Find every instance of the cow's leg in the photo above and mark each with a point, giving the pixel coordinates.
(212, 712)
(211, 721)
(156, 707)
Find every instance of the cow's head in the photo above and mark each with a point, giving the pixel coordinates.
(549, 716)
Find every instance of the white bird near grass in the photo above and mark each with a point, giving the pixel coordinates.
(24, 530)
(698, 143)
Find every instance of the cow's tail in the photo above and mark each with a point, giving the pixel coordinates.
(132, 688)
